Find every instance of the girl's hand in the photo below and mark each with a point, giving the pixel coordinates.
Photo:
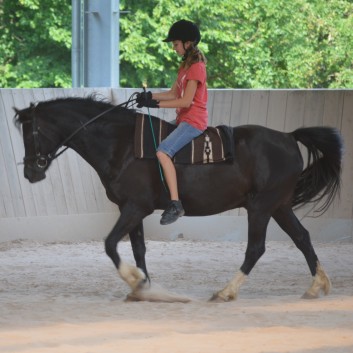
(147, 102)
(143, 96)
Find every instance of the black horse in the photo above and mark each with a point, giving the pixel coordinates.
(266, 177)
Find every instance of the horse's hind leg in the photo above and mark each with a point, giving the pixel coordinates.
(287, 220)
(257, 223)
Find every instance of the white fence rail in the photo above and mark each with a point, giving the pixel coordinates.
(71, 202)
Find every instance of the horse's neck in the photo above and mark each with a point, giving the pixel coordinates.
(98, 145)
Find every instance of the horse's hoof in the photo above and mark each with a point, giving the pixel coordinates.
(133, 297)
(144, 284)
(216, 298)
(307, 295)
(155, 294)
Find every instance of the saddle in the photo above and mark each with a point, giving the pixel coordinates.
(214, 145)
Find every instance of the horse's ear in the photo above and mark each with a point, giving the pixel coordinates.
(32, 105)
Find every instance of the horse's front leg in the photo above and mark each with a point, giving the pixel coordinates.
(231, 290)
(256, 247)
(137, 240)
(129, 221)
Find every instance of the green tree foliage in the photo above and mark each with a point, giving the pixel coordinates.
(248, 43)
(35, 43)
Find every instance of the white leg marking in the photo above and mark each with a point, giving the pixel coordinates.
(321, 282)
(230, 292)
(132, 275)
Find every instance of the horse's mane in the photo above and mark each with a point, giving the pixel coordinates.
(97, 99)
(93, 98)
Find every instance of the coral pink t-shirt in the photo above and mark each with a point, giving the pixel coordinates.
(196, 115)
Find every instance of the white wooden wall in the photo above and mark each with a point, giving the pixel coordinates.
(71, 202)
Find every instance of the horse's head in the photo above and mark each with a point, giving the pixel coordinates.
(49, 126)
(38, 147)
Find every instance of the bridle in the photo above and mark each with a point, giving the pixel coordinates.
(43, 160)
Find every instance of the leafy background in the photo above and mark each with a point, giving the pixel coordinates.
(248, 43)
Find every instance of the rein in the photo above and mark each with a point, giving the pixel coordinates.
(53, 155)
(42, 160)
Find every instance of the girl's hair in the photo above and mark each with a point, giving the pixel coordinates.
(193, 55)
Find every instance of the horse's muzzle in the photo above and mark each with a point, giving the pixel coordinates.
(33, 175)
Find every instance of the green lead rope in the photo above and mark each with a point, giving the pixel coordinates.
(155, 146)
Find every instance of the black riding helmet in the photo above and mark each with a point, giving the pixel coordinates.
(185, 31)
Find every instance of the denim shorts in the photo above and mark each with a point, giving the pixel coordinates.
(181, 136)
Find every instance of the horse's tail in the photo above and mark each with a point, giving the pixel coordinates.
(322, 176)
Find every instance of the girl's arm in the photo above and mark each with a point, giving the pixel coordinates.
(172, 102)
(167, 95)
